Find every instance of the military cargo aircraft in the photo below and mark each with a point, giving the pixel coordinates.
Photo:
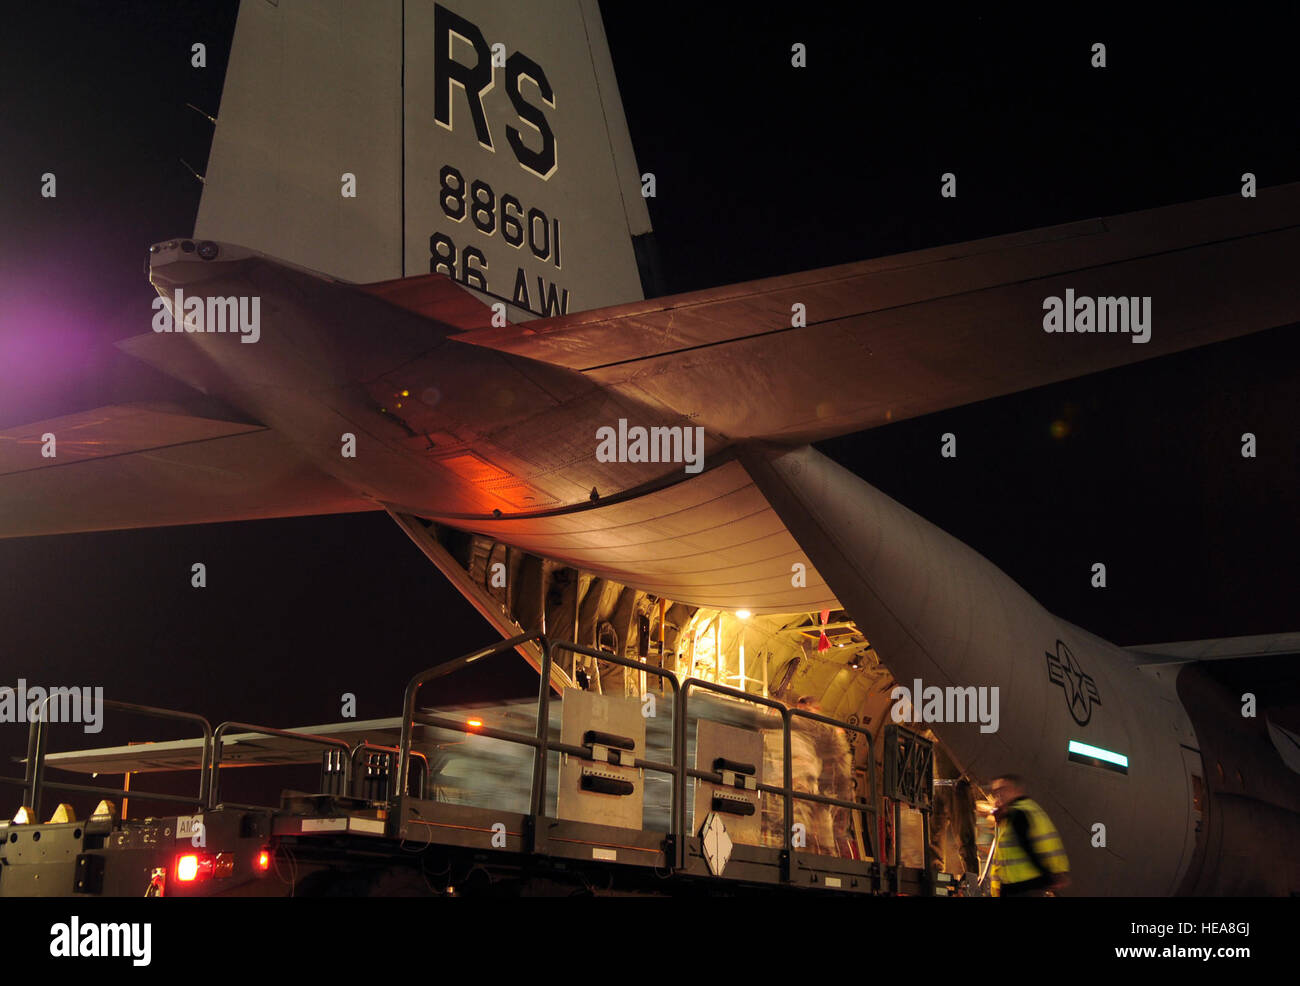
(415, 285)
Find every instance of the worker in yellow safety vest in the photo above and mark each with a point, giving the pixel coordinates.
(1029, 859)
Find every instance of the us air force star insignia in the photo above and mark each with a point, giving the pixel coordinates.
(1080, 690)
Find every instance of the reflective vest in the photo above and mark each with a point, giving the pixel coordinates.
(1010, 862)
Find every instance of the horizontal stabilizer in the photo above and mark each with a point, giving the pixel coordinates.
(1221, 649)
(103, 432)
(153, 469)
(823, 353)
(436, 297)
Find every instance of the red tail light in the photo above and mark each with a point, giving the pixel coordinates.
(263, 861)
(194, 866)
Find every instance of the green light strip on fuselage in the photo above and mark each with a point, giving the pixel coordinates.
(1084, 750)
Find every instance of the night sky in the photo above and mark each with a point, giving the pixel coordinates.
(762, 169)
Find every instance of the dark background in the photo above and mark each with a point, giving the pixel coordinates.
(761, 169)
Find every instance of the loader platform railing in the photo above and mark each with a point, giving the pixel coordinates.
(214, 786)
(401, 776)
(786, 789)
(35, 784)
(677, 752)
(542, 744)
(411, 718)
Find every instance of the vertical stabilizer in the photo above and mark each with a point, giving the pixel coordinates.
(483, 139)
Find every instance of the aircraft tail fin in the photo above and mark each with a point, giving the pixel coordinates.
(471, 138)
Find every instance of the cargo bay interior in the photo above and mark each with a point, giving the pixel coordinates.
(820, 662)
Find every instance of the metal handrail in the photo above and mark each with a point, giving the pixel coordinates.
(678, 750)
(787, 771)
(215, 766)
(540, 741)
(210, 762)
(401, 767)
(37, 740)
(787, 791)
(869, 807)
(361, 745)
(914, 742)
(114, 791)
